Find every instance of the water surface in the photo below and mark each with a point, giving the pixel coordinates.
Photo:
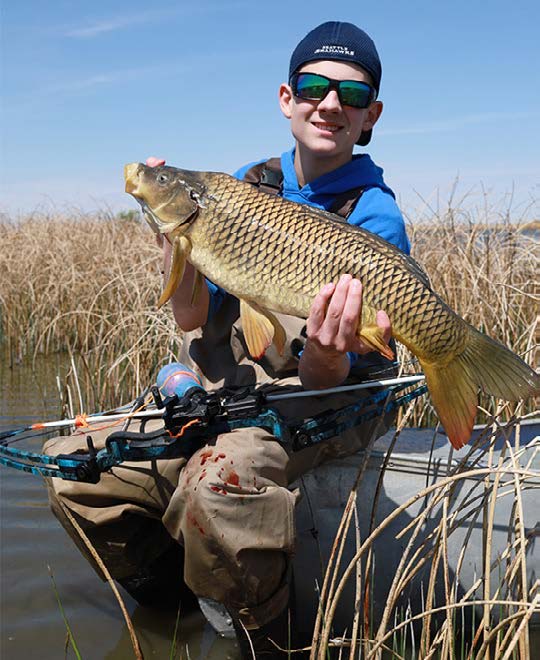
(31, 540)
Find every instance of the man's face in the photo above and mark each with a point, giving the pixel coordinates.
(326, 128)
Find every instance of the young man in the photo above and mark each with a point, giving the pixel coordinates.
(229, 506)
(330, 100)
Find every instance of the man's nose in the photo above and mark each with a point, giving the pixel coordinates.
(331, 102)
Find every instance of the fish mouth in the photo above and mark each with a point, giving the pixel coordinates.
(131, 177)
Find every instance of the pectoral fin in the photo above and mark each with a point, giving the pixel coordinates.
(373, 336)
(260, 327)
(180, 250)
(198, 280)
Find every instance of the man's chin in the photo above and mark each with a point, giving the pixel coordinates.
(327, 147)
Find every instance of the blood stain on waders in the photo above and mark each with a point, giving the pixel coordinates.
(205, 456)
(193, 521)
(232, 479)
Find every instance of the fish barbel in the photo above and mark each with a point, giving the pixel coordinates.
(275, 255)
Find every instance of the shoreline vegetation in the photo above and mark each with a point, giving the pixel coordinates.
(89, 285)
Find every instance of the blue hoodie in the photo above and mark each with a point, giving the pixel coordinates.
(375, 211)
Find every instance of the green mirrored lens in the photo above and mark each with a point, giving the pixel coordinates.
(355, 93)
(312, 86)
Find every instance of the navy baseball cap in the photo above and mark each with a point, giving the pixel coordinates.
(343, 42)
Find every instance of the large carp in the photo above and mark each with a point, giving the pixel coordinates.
(274, 254)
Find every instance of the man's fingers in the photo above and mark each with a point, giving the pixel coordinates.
(335, 314)
(352, 310)
(335, 307)
(155, 162)
(317, 311)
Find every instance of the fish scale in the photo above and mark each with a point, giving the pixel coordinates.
(275, 255)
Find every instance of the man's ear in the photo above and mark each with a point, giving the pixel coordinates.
(286, 100)
(373, 113)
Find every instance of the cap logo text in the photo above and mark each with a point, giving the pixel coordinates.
(334, 49)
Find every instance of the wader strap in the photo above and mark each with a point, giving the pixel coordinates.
(268, 177)
(345, 202)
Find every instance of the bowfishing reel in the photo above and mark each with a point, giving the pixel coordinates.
(176, 379)
(180, 394)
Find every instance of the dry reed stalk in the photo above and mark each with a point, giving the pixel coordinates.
(358, 587)
(448, 646)
(524, 637)
(489, 517)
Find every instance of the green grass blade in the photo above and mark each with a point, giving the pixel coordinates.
(62, 612)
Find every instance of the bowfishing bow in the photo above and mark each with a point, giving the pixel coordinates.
(192, 416)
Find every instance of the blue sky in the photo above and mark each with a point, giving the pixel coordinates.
(87, 87)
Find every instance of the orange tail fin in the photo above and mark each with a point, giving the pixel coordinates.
(484, 364)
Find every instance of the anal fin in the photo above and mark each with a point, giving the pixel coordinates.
(373, 336)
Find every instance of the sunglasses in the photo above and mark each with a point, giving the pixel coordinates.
(314, 87)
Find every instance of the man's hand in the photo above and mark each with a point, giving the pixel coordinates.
(334, 317)
(331, 333)
(155, 162)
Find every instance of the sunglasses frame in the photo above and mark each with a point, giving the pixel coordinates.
(332, 85)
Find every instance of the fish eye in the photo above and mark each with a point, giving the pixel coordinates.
(162, 177)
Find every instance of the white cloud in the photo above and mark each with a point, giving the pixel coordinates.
(118, 23)
(155, 16)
